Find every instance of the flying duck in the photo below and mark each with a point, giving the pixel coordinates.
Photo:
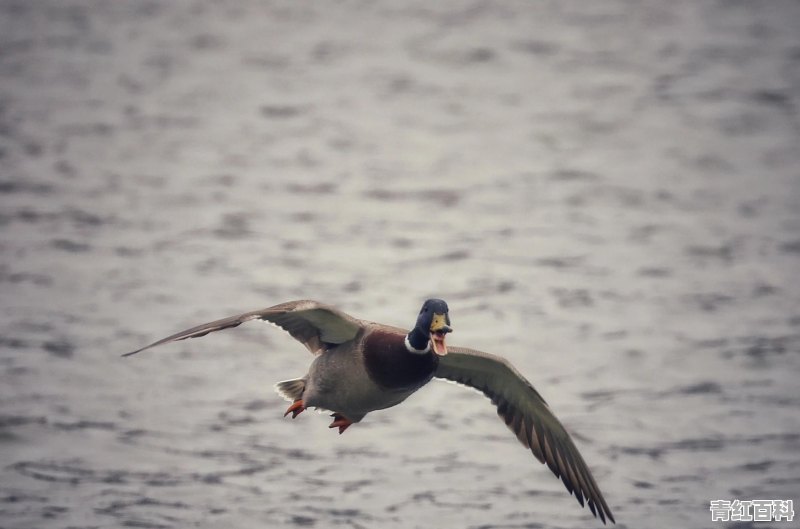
(361, 366)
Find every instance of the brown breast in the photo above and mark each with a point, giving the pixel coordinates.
(392, 366)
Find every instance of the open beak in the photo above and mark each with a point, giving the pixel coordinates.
(439, 329)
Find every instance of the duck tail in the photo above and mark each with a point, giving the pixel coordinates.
(291, 390)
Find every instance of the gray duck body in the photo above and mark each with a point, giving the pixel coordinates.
(372, 372)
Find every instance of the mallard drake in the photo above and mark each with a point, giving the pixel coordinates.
(361, 366)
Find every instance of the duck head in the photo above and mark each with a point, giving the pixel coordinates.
(433, 324)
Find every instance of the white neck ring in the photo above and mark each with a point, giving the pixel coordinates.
(411, 348)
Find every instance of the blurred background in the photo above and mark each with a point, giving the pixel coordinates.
(608, 194)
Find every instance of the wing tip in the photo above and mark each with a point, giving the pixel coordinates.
(134, 352)
(600, 510)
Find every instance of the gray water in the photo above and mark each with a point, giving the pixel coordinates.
(606, 193)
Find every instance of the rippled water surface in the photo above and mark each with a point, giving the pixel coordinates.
(606, 193)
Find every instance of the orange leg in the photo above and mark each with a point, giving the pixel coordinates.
(296, 408)
(341, 422)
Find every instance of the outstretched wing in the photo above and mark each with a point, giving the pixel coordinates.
(527, 415)
(311, 323)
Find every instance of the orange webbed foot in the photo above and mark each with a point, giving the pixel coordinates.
(296, 408)
(341, 422)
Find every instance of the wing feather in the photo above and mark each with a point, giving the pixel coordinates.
(311, 323)
(526, 414)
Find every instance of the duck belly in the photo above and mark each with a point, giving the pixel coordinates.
(339, 382)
